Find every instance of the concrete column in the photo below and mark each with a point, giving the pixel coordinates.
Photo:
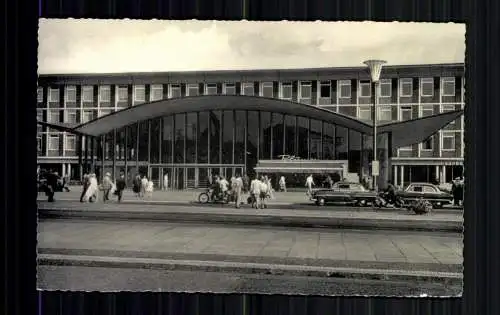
(63, 171)
(395, 175)
(401, 175)
(438, 177)
(443, 180)
(68, 169)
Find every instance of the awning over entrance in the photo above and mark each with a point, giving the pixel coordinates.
(300, 166)
(414, 131)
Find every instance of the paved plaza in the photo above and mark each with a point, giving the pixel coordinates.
(441, 252)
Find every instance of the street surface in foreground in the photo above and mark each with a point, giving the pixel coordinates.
(406, 252)
(119, 279)
(277, 243)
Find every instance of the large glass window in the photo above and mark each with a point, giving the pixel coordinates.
(179, 134)
(88, 93)
(239, 136)
(215, 136)
(344, 88)
(247, 88)
(427, 87)
(266, 89)
(406, 113)
(191, 134)
(211, 89)
(315, 136)
(328, 141)
(303, 137)
(143, 141)
(122, 93)
(406, 87)
(385, 88)
(203, 134)
(265, 136)
(132, 142)
(365, 88)
(156, 93)
(167, 139)
(341, 143)
(448, 86)
(277, 135)
(120, 144)
(227, 137)
(175, 90)
(290, 135)
(139, 94)
(155, 141)
(305, 92)
(286, 90)
(354, 152)
(229, 89)
(108, 146)
(40, 94)
(70, 93)
(252, 138)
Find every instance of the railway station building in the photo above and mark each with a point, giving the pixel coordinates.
(191, 125)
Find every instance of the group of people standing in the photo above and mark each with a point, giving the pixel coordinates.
(143, 187)
(91, 187)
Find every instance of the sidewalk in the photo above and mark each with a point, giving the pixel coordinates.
(375, 255)
(345, 218)
(288, 200)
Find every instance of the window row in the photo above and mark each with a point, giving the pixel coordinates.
(362, 112)
(448, 142)
(55, 142)
(305, 90)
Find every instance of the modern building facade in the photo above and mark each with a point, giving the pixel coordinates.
(181, 123)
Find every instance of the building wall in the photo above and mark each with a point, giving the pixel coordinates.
(405, 93)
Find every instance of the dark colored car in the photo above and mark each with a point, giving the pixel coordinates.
(344, 192)
(426, 191)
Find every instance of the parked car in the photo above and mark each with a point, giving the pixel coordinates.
(427, 191)
(344, 192)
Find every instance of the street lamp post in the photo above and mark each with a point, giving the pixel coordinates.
(375, 67)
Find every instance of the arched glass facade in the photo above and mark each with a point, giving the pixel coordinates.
(190, 147)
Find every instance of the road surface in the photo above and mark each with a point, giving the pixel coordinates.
(120, 279)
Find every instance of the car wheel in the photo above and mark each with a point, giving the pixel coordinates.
(203, 198)
(320, 202)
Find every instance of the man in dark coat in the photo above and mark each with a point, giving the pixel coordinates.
(51, 185)
(120, 186)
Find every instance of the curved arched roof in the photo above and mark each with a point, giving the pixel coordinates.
(166, 107)
(403, 133)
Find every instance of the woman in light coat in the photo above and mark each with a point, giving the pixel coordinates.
(92, 192)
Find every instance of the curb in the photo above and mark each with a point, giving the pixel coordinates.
(257, 219)
(271, 205)
(249, 268)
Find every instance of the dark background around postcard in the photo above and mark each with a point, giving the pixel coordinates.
(19, 22)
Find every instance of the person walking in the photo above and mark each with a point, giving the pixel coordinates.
(282, 184)
(136, 186)
(107, 184)
(85, 186)
(165, 181)
(144, 186)
(255, 192)
(264, 192)
(149, 189)
(309, 184)
(120, 186)
(237, 190)
(92, 192)
(52, 180)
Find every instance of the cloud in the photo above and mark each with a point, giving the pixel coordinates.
(87, 46)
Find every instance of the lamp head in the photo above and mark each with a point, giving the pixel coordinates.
(375, 67)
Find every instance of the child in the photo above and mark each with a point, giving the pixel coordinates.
(149, 189)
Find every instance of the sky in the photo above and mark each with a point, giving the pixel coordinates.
(114, 46)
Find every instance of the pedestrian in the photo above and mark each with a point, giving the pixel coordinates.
(255, 192)
(264, 192)
(282, 183)
(51, 183)
(224, 186)
(92, 192)
(309, 184)
(455, 192)
(85, 186)
(165, 181)
(237, 188)
(136, 186)
(120, 186)
(106, 185)
(270, 190)
(149, 189)
(144, 186)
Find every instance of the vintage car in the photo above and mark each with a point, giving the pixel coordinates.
(430, 192)
(344, 192)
